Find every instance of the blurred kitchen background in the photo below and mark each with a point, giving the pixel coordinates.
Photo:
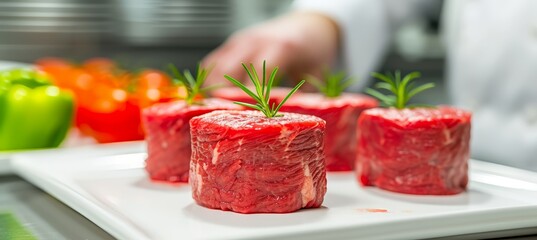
(153, 33)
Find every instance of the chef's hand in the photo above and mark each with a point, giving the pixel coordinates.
(298, 43)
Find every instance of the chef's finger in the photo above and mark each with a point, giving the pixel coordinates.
(274, 56)
(230, 64)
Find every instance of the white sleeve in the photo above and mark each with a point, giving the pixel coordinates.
(366, 28)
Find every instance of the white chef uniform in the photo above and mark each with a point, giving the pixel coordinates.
(491, 50)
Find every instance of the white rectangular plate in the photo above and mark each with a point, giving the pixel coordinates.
(115, 193)
(73, 140)
(5, 164)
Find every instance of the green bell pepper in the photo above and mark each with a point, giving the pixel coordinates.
(33, 112)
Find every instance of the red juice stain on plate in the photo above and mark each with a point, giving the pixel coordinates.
(376, 210)
(373, 210)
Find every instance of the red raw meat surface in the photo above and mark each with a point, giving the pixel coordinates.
(245, 162)
(421, 151)
(168, 136)
(341, 115)
(277, 94)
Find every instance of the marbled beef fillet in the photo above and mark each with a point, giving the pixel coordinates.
(415, 151)
(168, 136)
(341, 115)
(245, 162)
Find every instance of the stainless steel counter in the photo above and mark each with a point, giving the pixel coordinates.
(44, 216)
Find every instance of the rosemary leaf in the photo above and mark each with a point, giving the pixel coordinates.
(262, 90)
(289, 95)
(333, 84)
(263, 83)
(244, 88)
(249, 105)
(420, 89)
(192, 85)
(270, 83)
(383, 98)
(402, 90)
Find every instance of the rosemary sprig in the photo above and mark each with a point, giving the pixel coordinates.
(262, 90)
(402, 89)
(192, 84)
(334, 83)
